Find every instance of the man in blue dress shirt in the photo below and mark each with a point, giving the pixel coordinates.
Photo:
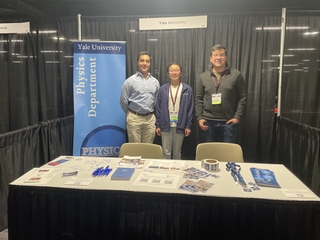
(138, 99)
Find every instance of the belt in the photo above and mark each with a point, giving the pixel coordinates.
(140, 114)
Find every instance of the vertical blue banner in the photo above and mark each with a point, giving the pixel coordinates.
(99, 71)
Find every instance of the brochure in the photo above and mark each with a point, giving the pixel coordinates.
(264, 177)
(122, 174)
(195, 173)
(38, 176)
(196, 186)
(57, 162)
(131, 162)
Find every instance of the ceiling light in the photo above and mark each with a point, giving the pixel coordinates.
(45, 31)
(50, 51)
(24, 56)
(60, 38)
(52, 61)
(85, 40)
(290, 65)
(279, 28)
(268, 60)
(14, 40)
(301, 49)
(311, 33)
(286, 55)
(297, 28)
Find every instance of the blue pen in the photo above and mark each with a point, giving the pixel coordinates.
(107, 170)
(96, 172)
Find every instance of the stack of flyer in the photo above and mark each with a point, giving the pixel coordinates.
(131, 162)
(196, 186)
(38, 175)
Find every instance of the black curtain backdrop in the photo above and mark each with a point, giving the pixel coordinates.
(37, 68)
(36, 84)
(30, 147)
(301, 68)
(298, 149)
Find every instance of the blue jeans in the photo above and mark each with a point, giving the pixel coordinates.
(221, 132)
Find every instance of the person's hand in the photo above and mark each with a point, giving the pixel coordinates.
(187, 132)
(202, 126)
(233, 120)
(158, 131)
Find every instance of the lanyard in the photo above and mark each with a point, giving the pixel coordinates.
(217, 82)
(175, 98)
(235, 173)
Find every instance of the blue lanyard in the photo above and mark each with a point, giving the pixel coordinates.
(235, 173)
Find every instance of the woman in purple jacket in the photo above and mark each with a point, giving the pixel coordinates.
(174, 112)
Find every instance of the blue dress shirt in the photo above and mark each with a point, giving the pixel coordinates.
(139, 94)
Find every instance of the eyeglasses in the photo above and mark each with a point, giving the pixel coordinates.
(218, 55)
(177, 71)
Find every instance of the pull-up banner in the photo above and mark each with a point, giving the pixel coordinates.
(99, 71)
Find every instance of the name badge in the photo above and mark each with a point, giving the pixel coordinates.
(173, 116)
(216, 98)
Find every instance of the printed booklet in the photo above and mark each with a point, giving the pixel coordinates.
(122, 174)
(264, 177)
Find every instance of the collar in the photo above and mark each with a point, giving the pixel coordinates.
(139, 74)
(225, 72)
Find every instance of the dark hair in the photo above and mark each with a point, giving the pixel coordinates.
(174, 63)
(143, 53)
(218, 47)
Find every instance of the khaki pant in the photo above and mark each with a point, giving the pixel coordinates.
(141, 129)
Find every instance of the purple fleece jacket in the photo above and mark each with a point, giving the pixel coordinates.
(185, 114)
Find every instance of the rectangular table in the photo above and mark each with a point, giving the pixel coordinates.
(115, 209)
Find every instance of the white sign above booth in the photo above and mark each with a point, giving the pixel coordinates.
(7, 28)
(173, 23)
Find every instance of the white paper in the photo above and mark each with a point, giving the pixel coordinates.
(79, 181)
(298, 193)
(157, 180)
(166, 165)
